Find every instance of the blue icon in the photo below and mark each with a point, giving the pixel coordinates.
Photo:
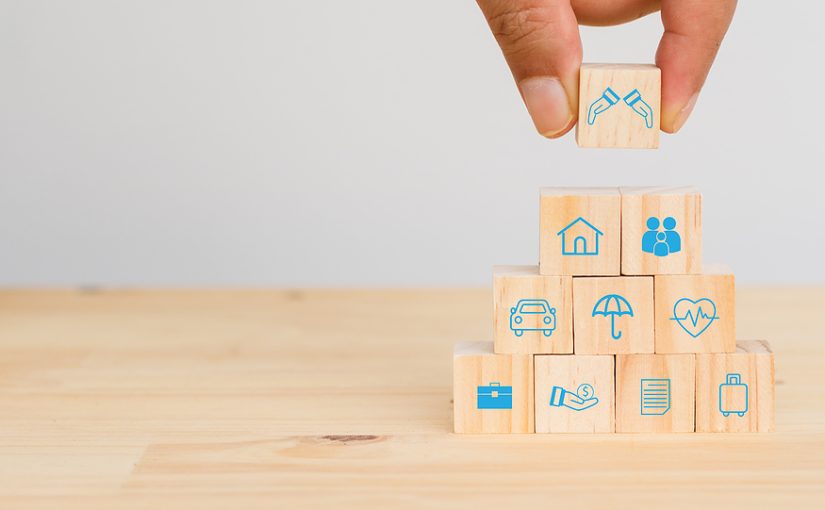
(612, 305)
(532, 315)
(733, 396)
(584, 398)
(655, 397)
(609, 98)
(659, 243)
(580, 238)
(694, 315)
(634, 100)
(494, 396)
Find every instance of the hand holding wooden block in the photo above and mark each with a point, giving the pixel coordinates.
(661, 231)
(492, 393)
(580, 231)
(532, 313)
(735, 391)
(619, 106)
(574, 394)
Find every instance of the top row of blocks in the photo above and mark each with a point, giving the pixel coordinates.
(613, 231)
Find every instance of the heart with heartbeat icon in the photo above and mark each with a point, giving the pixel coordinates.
(694, 315)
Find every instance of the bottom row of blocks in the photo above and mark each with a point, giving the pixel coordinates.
(523, 393)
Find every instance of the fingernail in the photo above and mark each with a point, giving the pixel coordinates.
(684, 113)
(547, 104)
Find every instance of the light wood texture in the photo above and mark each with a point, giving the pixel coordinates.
(518, 289)
(683, 205)
(753, 362)
(626, 91)
(477, 368)
(644, 381)
(594, 327)
(694, 298)
(559, 381)
(317, 399)
(569, 246)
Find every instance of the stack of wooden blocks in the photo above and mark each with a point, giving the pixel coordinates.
(619, 328)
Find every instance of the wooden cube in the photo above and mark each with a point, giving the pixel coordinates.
(661, 231)
(735, 391)
(492, 393)
(574, 394)
(696, 313)
(655, 392)
(613, 315)
(619, 106)
(532, 314)
(580, 231)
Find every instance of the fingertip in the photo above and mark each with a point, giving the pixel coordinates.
(673, 121)
(548, 104)
(552, 135)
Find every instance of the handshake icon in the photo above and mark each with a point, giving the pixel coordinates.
(633, 100)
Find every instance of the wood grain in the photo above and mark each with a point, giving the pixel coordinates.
(559, 208)
(683, 204)
(318, 399)
(679, 373)
(512, 284)
(719, 335)
(619, 125)
(753, 361)
(593, 333)
(569, 373)
(477, 366)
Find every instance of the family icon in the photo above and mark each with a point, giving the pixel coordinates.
(661, 243)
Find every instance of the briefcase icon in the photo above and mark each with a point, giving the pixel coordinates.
(733, 396)
(494, 396)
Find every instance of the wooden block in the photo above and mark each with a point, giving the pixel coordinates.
(574, 394)
(661, 231)
(532, 314)
(619, 106)
(492, 393)
(735, 391)
(580, 231)
(655, 392)
(696, 313)
(613, 315)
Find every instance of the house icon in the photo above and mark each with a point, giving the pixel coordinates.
(580, 238)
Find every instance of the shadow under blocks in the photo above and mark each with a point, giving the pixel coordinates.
(620, 328)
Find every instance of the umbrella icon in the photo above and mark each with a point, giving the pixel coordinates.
(612, 305)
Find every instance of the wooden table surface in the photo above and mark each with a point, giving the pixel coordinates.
(341, 399)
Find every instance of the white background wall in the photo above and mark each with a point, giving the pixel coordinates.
(363, 143)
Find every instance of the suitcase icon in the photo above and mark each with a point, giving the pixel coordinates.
(494, 396)
(733, 396)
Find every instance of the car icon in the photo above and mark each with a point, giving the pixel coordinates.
(532, 315)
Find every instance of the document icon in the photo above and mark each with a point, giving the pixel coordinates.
(655, 397)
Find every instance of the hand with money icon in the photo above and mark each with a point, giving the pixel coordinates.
(583, 398)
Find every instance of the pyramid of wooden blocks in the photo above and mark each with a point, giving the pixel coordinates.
(619, 328)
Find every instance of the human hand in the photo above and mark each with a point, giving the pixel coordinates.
(540, 41)
(635, 101)
(561, 397)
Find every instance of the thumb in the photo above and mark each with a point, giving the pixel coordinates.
(540, 41)
(694, 30)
